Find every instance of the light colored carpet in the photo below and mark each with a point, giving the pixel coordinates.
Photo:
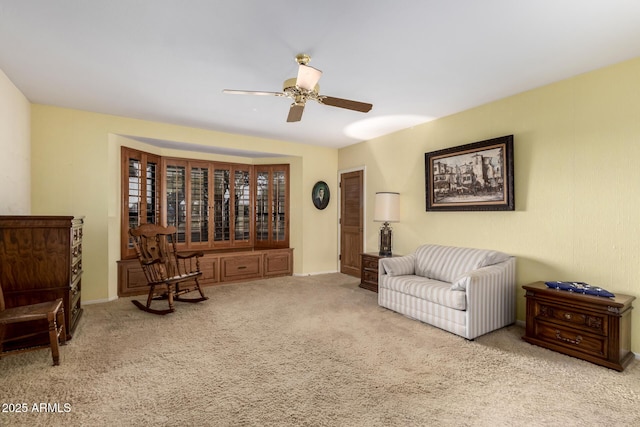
(308, 351)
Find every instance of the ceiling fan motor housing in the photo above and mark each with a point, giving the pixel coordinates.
(290, 84)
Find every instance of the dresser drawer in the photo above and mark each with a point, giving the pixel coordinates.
(369, 271)
(76, 252)
(569, 338)
(76, 235)
(74, 293)
(76, 312)
(370, 276)
(572, 318)
(370, 263)
(76, 270)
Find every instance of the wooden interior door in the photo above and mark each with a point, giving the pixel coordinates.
(351, 222)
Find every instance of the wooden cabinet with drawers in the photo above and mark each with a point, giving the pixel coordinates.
(41, 260)
(217, 268)
(369, 270)
(278, 263)
(592, 328)
(240, 266)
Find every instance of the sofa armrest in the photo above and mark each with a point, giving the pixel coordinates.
(501, 275)
(397, 266)
(491, 297)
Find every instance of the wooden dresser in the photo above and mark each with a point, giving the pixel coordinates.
(592, 328)
(41, 260)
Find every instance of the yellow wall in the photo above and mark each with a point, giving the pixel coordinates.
(15, 150)
(76, 171)
(577, 217)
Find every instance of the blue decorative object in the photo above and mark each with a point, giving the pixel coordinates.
(581, 288)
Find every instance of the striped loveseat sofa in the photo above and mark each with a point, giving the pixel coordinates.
(466, 291)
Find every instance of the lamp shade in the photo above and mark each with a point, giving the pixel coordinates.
(387, 207)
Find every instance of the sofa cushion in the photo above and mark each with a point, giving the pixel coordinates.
(461, 283)
(435, 291)
(448, 263)
(399, 266)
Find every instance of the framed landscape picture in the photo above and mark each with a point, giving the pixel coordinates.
(471, 177)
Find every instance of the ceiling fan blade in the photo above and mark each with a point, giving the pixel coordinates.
(251, 92)
(295, 112)
(346, 103)
(308, 77)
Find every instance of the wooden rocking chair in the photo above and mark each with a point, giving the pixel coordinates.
(165, 268)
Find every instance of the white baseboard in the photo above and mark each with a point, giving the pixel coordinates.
(315, 273)
(99, 301)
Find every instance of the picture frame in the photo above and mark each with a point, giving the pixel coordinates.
(471, 177)
(320, 195)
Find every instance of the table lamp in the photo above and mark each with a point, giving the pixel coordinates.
(387, 209)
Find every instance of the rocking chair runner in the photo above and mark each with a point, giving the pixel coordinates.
(165, 268)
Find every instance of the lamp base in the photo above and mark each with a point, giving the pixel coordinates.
(385, 240)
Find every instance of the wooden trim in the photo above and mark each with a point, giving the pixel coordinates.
(127, 154)
(163, 162)
(270, 170)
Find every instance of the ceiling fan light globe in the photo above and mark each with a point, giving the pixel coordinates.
(308, 77)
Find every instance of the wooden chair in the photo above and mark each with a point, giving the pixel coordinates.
(24, 328)
(165, 268)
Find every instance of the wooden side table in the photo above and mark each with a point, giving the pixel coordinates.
(592, 328)
(369, 270)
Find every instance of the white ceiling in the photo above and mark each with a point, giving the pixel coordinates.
(414, 60)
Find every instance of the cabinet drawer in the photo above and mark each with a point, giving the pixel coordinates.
(131, 278)
(76, 235)
(370, 276)
(76, 270)
(76, 252)
(570, 338)
(572, 318)
(277, 263)
(74, 316)
(75, 309)
(74, 294)
(370, 263)
(240, 267)
(209, 268)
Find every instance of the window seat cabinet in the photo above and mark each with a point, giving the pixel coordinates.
(217, 268)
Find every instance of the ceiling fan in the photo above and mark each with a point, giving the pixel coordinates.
(303, 88)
